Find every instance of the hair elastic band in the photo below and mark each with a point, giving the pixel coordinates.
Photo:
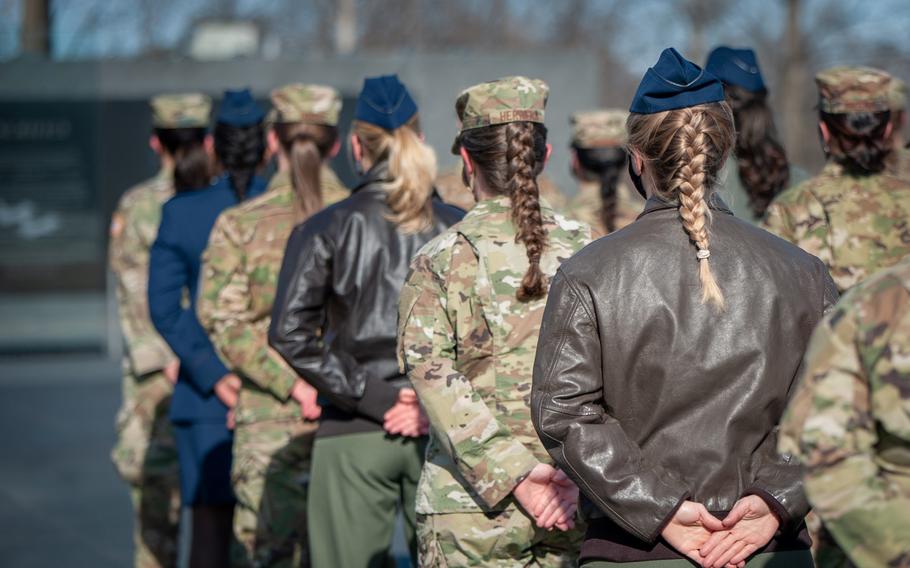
(702, 254)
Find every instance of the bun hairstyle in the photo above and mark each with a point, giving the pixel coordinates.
(192, 168)
(604, 165)
(857, 140)
(306, 146)
(509, 157)
(763, 167)
(684, 149)
(240, 151)
(411, 170)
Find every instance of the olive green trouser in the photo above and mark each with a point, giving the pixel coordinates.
(788, 559)
(357, 485)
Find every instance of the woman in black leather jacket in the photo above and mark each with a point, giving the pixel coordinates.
(661, 375)
(335, 319)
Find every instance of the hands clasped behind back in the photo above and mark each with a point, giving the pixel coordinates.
(549, 496)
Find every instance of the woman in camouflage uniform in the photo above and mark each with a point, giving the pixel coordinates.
(599, 162)
(853, 215)
(469, 317)
(276, 410)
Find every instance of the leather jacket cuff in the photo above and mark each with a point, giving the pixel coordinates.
(786, 520)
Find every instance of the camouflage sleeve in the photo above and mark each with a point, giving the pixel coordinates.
(224, 311)
(435, 317)
(128, 257)
(834, 425)
(777, 220)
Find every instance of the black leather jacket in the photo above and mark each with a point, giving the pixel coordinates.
(336, 306)
(646, 397)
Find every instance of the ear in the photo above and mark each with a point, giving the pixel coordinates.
(638, 164)
(573, 162)
(889, 128)
(549, 153)
(209, 144)
(466, 159)
(155, 145)
(336, 147)
(826, 134)
(356, 148)
(273, 143)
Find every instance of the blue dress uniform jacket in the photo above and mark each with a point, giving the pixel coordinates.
(176, 257)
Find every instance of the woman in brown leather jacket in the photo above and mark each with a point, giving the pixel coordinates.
(668, 350)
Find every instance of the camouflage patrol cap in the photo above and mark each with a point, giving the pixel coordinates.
(599, 128)
(314, 104)
(510, 99)
(897, 94)
(853, 89)
(184, 110)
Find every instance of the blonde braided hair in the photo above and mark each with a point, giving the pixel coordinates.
(684, 150)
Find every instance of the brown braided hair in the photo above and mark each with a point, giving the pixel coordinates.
(684, 149)
(857, 141)
(509, 157)
(762, 162)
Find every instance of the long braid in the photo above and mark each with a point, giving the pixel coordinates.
(689, 182)
(524, 194)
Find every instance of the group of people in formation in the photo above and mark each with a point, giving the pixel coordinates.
(639, 377)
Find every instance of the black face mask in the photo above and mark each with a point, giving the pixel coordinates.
(636, 180)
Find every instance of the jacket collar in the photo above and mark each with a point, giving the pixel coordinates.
(655, 203)
(373, 177)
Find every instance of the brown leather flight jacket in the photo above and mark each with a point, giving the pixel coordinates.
(647, 397)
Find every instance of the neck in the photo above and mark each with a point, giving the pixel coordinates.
(166, 161)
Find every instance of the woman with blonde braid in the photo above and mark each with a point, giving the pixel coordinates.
(668, 350)
(469, 316)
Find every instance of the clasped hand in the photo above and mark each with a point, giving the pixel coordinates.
(406, 417)
(548, 495)
(727, 543)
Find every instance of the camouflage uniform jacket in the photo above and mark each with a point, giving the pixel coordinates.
(855, 225)
(468, 345)
(133, 230)
(239, 277)
(849, 421)
(586, 206)
(453, 191)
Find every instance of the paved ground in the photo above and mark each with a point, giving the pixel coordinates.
(61, 503)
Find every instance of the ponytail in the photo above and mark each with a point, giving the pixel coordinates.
(305, 146)
(604, 165)
(192, 168)
(240, 150)
(510, 157)
(684, 149)
(411, 168)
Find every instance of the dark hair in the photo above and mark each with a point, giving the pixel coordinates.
(857, 140)
(510, 157)
(763, 166)
(192, 168)
(306, 146)
(239, 150)
(604, 165)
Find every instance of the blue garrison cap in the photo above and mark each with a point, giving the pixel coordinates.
(736, 67)
(239, 109)
(675, 82)
(385, 102)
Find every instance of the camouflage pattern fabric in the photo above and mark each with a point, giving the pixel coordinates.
(586, 206)
(453, 191)
(468, 346)
(856, 225)
(145, 453)
(853, 89)
(270, 474)
(505, 540)
(599, 128)
(313, 104)
(186, 110)
(510, 99)
(240, 274)
(849, 422)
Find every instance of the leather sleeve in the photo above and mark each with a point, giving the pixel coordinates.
(298, 325)
(569, 409)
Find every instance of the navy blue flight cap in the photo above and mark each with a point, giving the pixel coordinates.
(385, 102)
(239, 109)
(675, 82)
(736, 67)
